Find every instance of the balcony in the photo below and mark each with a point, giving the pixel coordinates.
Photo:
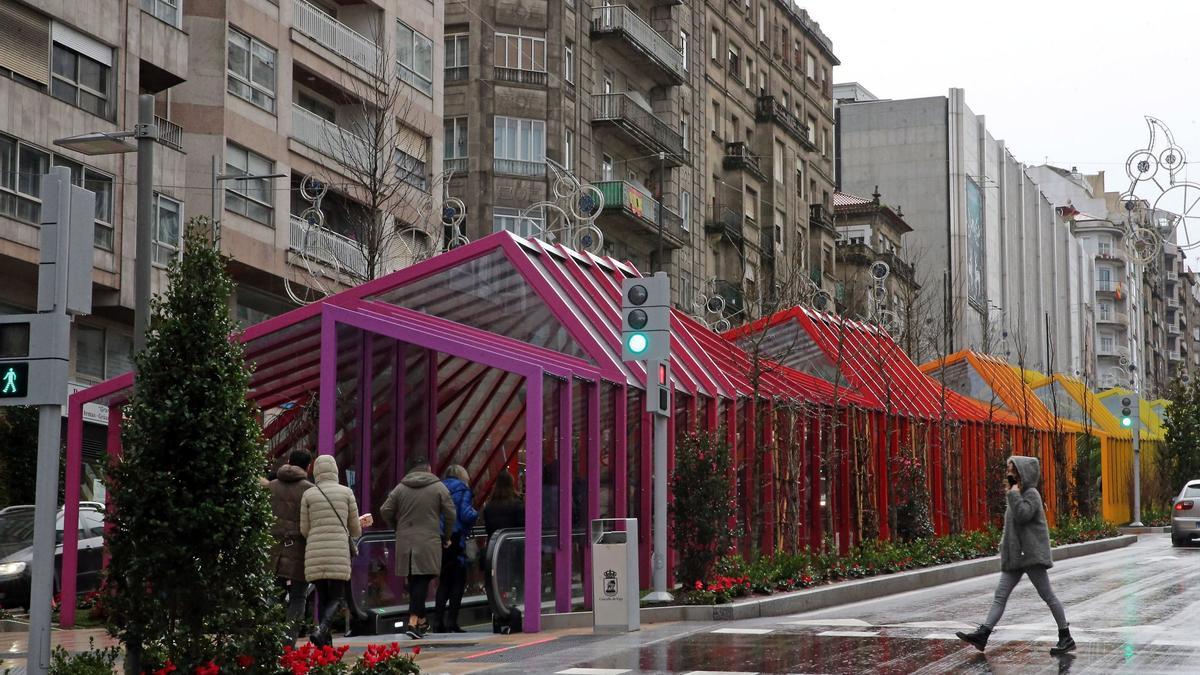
(1173, 329)
(1109, 287)
(638, 209)
(329, 139)
(1174, 355)
(456, 166)
(1172, 276)
(767, 109)
(169, 133)
(1112, 350)
(536, 78)
(1111, 256)
(863, 255)
(326, 246)
(726, 221)
(739, 157)
(457, 74)
(336, 36)
(819, 216)
(619, 20)
(1118, 319)
(1173, 301)
(766, 244)
(622, 111)
(519, 167)
(733, 295)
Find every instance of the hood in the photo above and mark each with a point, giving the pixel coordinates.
(419, 479)
(293, 474)
(454, 484)
(325, 469)
(1029, 469)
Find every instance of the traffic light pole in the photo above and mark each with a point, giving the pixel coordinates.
(660, 593)
(1136, 427)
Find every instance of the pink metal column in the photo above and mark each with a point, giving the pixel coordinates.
(70, 546)
(621, 454)
(593, 483)
(562, 547)
(533, 504)
(366, 419)
(327, 406)
(431, 403)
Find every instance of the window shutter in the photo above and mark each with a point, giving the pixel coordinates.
(24, 42)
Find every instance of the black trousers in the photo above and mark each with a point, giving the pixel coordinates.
(295, 592)
(451, 585)
(418, 593)
(331, 593)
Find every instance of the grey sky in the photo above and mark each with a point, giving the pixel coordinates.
(1062, 80)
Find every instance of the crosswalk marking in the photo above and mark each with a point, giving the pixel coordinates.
(593, 671)
(718, 672)
(743, 631)
(954, 625)
(848, 633)
(829, 622)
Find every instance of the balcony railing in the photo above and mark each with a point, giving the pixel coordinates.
(862, 254)
(1173, 329)
(1117, 318)
(767, 109)
(457, 74)
(1111, 255)
(621, 110)
(521, 76)
(458, 165)
(1116, 350)
(739, 157)
(640, 207)
(1107, 286)
(821, 217)
(1174, 355)
(169, 133)
(336, 36)
(329, 139)
(726, 221)
(1173, 301)
(1172, 275)
(519, 167)
(619, 19)
(326, 246)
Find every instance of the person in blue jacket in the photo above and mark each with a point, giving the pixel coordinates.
(453, 579)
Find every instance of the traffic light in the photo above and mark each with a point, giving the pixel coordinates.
(646, 318)
(1126, 412)
(658, 388)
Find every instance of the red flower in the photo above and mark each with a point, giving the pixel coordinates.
(245, 661)
(416, 650)
(209, 668)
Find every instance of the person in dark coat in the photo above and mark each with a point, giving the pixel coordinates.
(1024, 550)
(287, 551)
(453, 580)
(505, 509)
(419, 508)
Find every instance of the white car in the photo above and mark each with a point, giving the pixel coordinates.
(1185, 514)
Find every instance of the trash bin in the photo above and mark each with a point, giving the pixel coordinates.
(616, 593)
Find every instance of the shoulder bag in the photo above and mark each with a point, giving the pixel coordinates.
(349, 540)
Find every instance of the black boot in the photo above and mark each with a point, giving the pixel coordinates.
(978, 638)
(1066, 643)
(321, 637)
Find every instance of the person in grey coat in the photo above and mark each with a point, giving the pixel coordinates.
(416, 509)
(1024, 550)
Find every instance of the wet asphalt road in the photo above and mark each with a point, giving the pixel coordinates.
(1134, 610)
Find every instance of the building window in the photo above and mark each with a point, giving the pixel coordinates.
(810, 66)
(454, 146)
(735, 62)
(685, 209)
(606, 167)
(568, 149)
(168, 213)
(520, 146)
(101, 353)
(825, 142)
(812, 130)
(1105, 246)
(779, 151)
(750, 204)
(685, 132)
(569, 62)
(508, 219)
(683, 44)
(457, 65)
(828, 259)
(251, 70)
(1104, 310)
(762, 83)
(749, 81)
(714, 46)
(520, 51)
(81, 80)
(762, 24)
(779, 220)
(1107, 344)
(716, 119)
(253, 197)
(799, 179)
(163, 10)
(414, 55)
(412, 170)
(734, 126)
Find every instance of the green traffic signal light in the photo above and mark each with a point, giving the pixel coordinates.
(638, 343)
(1126, 422)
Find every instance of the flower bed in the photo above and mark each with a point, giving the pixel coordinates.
(308, 659)
(734, 577)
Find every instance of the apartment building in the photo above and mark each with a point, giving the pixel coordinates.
(769, 150)
(346, 92)
(872, 233)
(544, 97)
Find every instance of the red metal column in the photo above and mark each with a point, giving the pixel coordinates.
(769, 510)
(843, 450)
(884, 437)
(816, 531)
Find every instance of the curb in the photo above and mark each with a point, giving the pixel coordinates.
(841, 593)
(1145, 530)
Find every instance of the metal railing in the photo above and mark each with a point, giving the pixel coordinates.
(1106, 286)
(621, 19)
(1173, 301)
(820, 216)
(327, 246)
(520, 76)
(1173, 329)
(739, 156)
(1114, 350)
(328, 138)
(169, 133)
(767, 109)
(519, 167)
(457, 74)
(621, 108)
(1119, 318)
(336, 36)
(1111, 254)
(458, 165)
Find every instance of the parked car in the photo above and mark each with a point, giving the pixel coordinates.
(16, 552)
(1185, 514)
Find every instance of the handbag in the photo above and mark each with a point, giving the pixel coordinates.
(349, 540)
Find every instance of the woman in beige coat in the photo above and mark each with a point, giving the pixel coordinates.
(328, 521)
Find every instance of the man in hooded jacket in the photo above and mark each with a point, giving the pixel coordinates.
(1024, 550)
(416, 509)
(287, 552)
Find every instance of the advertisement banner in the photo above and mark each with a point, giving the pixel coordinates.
(976, 259)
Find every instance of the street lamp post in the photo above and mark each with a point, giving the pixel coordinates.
(101, 143)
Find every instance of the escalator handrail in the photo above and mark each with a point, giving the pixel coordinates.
(489, 559)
